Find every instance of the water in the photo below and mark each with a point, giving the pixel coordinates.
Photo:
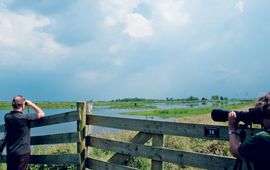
(103, 111)
(52, 129)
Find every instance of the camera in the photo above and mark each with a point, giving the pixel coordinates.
(254, 115)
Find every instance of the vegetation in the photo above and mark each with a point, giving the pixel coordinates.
(180, 112)
(133, 103)
(45, 105)
(173, 142)
(176, 142)
(53, 150)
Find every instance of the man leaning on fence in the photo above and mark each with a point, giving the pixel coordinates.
(18, 132)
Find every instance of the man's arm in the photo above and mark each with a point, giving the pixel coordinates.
(39, 112)
(234, 138)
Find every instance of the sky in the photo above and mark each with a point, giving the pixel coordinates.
(68, 50)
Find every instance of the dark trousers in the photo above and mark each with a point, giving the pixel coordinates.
(17, 162)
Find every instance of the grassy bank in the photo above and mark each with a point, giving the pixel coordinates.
(137, 104)
(192, 115)
(126, 105)
(181, 112)
(44, 105)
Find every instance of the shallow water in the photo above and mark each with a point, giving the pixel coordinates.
(104, 111)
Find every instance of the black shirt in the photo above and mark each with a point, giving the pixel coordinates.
(256, 149)
(18, 133)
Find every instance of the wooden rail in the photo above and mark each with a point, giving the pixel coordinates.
(146, 130)
(71, 137)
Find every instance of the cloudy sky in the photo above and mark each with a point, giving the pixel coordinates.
(106, 49)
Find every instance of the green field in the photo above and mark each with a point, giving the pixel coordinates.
(143, 104)
(44, 105)
(179, 112)
(173, 142)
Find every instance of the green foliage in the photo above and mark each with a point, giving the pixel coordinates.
(3, 166)
(56, 105)
(193, 98)
(180, 112)
(5, 105)
(215, 97)
(44, 105)
(53, 150)
(172, 142)
(140, 163)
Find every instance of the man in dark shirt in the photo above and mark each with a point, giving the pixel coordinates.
(18, 133)
(256, 148)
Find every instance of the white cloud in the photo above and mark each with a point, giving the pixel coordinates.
(116, 11)
(240, 5)
(138, 26)
(22, 42)
(17, 29)
(171, 12)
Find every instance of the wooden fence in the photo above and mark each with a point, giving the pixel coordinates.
(146, 130)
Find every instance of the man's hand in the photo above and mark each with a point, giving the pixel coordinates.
(232, 122)
(39, 111)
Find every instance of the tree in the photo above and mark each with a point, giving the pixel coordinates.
(204, 98)
(215, 97)
(192, 98)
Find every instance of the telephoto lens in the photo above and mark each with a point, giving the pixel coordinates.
(220, 115)
(254, 115)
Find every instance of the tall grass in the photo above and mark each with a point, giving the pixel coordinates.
(172, 142)
(180, 112)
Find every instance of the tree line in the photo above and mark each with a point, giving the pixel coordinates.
(191, 98)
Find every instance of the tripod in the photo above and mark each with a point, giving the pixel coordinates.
(239, 163)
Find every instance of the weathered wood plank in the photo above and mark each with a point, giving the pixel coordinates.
(160, 127)
(81, 127)
(157, 141)
(140, 138)
(97, 165)
(88, 128)
(55, 119)
(163, 154)
(55, 159)
(55, 138)
(50, 159)
(50, 120)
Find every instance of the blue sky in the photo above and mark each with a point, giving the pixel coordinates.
(107, 49)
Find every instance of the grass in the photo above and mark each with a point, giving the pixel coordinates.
(44, 105)
(120, 104)
(126, 105)
(188, 115)
(181, 112)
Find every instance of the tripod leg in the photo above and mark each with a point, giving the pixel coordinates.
(237, 165)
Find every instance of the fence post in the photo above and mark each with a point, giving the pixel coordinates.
(81, 128)
(157, 141)
(89, 106)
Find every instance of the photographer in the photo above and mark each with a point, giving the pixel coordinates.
(18, 133)
(256, 148)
